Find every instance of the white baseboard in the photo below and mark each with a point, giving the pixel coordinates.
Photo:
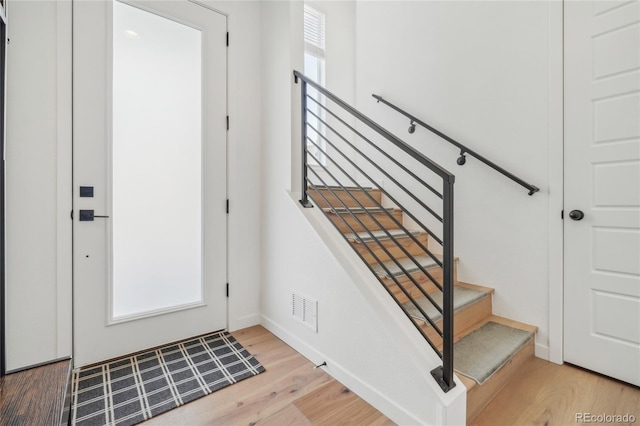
(365, 391)
(542, 351)
(244, 322)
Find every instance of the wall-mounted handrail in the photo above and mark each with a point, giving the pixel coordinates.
(463, 149)
(334, 176)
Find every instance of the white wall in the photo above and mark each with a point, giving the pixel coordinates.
(38, 171)
(364, 338)
(478, 71)
(39, 176)
(340, 46)
(340, 64)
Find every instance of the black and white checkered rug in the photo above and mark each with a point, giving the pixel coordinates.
(135, 388)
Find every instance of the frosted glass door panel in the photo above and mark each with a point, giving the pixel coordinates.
(156, 164)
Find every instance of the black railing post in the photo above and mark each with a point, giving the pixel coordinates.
(444, 374)
(304, 199)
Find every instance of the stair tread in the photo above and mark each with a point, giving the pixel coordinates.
(483, 352)
(341, 188)
(462, 296)
(496, 318)
(506, 321)
(409, 265)
(359, 210)
(379, 235)
(488, 290)
(469, 382)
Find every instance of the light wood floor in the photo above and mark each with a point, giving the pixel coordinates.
(550, 394)
(290, 392)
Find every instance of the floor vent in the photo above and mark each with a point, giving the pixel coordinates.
(305, 310)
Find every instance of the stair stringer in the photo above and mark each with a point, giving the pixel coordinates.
(450, 408)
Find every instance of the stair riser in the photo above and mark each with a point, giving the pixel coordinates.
(471, 315)
(407, 242)
(344, 196)
(411, 288)
(399, 294)
(381, 217)
(437, 274)
(423, 280)
(464, 318)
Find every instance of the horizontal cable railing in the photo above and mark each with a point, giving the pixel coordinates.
(463, 149)
(345, 156)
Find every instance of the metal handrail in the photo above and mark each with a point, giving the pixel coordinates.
(444, 373)
(463, 149)
(430, 164)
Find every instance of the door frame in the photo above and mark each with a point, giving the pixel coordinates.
(556, 183)
(3, 84)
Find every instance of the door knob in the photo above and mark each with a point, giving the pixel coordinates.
(576, 214)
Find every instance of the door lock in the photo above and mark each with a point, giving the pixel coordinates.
(88, 216)
(86, 191)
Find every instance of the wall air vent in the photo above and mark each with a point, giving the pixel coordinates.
(305, 310)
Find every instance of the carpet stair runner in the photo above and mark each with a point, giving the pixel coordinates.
(489, 349)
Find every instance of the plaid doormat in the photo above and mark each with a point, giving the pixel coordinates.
(132, 389)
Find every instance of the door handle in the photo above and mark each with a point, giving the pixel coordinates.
(576, 214)
(88, 216)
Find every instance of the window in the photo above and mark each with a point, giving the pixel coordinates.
(314, 68)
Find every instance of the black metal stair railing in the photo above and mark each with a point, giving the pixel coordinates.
(327, 154)
(463, 149)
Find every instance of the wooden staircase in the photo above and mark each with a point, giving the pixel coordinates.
(468, 318)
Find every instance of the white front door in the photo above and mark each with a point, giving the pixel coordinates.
(149, 175)
(602, 180)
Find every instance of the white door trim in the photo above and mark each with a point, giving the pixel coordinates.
(64, 184)
(556, 182)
